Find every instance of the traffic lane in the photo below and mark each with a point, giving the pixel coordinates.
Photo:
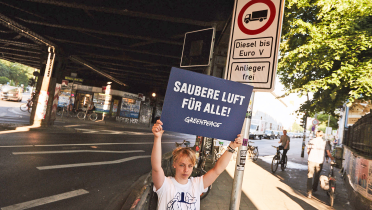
(10, 113)
(103, 182)
(40, 138)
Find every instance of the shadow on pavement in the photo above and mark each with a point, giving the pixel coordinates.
(300, 202)
(219, 197)
(296, 180)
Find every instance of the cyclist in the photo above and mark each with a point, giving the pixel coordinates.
(284, 139)
(91, 107)
(182, 192)
(316, 149)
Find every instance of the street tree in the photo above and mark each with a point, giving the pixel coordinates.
(297, 128)
(3, 80)
(17, 73)
(323, 119)
(326, 49)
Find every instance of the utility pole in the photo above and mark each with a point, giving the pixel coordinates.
(240, 160)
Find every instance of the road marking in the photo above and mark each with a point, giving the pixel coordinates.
(88, 144)
(69, 126)
(74, 151)
(94, 163)
(46, 200)
(20, 112)
(84, 130)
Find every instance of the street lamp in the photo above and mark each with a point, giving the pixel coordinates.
(153, 95)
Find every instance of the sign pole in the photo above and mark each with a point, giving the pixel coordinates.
(240, 160)
(304, 138)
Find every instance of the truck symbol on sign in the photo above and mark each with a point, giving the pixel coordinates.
(257, 15)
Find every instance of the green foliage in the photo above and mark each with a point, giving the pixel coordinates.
(17, 73)
(326, 49)
(3, 80)
(297, 128)
(322, 127)
(323, 118)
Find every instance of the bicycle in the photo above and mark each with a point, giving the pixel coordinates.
(276, 160)
(82, 115)
(26, 106)
(252, 151)
(62, 110)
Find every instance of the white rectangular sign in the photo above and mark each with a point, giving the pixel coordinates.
(254, 43)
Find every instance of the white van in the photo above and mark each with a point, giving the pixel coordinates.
(257, 129)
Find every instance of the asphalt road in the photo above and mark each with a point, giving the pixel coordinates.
(10, 111)
(84, 170)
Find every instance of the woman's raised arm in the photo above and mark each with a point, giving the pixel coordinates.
(157, 171)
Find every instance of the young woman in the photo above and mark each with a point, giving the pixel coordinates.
(181, 192)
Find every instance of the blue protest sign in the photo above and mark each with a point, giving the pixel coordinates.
(204, 105)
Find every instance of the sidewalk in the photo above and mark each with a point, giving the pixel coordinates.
(266, 191)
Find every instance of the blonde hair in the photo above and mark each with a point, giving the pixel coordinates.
(184, 151)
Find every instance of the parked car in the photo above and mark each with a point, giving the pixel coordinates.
(291, 135)
(11, 93)
(277, 134)
(269, 134)
(300, 135)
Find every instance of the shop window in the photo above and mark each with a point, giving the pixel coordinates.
(130, 108)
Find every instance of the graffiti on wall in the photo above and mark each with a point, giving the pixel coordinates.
(127, 120)
(145, 114)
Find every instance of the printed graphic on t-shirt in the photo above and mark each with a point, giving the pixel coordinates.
(182, 201)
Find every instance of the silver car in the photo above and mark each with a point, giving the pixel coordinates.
(11, 93)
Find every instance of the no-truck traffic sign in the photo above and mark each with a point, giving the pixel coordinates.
(254, 43)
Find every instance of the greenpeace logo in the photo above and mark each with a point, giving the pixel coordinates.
(202, 122)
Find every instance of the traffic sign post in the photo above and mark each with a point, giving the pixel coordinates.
(304, 137)
(315, 122)
(252, 59)
(254, 43)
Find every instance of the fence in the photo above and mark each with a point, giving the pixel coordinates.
(359, 135)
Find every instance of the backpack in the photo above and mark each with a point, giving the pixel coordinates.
(324, 182)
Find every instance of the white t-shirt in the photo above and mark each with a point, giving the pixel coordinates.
(175, 196)
(317, 148)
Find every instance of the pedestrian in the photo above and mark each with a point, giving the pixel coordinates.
(284, 139)
(316, 149)
(328, 144)
(180, 191)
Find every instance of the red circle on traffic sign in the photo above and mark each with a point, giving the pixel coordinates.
(245, 30)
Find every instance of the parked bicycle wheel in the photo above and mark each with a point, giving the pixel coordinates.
(23, 107)
(30, 109)
(81, 115)
(93, 116)
(275, 163)
(284, 165)
(255, 154)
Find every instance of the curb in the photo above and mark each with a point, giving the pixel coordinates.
(139, 198)
(133, 197)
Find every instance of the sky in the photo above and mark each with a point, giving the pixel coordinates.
(266, 102)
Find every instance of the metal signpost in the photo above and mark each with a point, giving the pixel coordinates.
(304, 137)
(252, 59)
